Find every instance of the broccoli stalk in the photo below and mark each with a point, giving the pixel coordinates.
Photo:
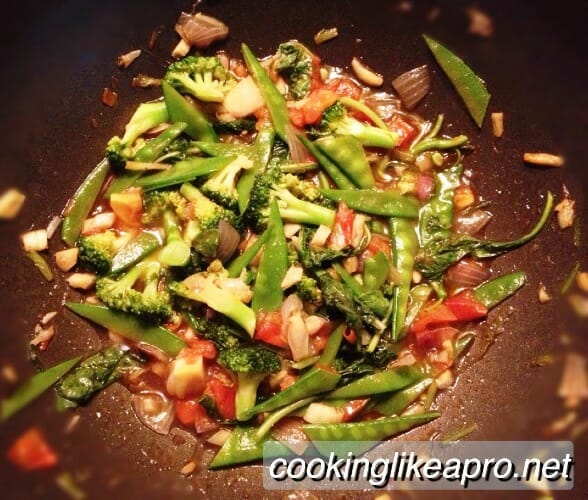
(121, 293)
(252, 365)
(221, 186)
(203, 77)
(147, 116)
(96, 251)
(200, 287)
(335, 120)
(207, 213)
(294, 209)
(176, 251)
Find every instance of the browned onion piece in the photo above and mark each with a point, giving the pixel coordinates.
(298, 152)
(467, 273)
(200, 30)
(413, 85)
(154, 410)
(145, 81)
(228, 241)
(471, 222)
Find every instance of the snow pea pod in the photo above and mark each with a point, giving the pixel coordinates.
(315, 381)
(130, 327)
(398, 401)
(376, 202)
(81, 203)
(370, 430)
(246, 257)
(336, 174)
(134, 251)
(267, 292)
(225, 149)
(375, 271)
(154, 148)
(32, 388)
(275, 102)
(405, 244)
(332, 348)
(348, 154)
(198, 127)
(378, 383)
(183, 171)
(469, 86)
(493, 292)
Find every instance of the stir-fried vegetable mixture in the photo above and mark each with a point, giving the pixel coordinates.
(271, 238)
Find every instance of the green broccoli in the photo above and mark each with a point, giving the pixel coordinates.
(293, 61)
(336, 120)
(218, 330)
(221, 186)
(97, 250)
(207, 213)
(147, 116)
(308, 290)
(203, 77)
(234, 127)
(156, 203)
(252, 365)
(138, 291)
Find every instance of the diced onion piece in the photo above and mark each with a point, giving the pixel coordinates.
(109, 97)
(497, 124)
(237, 287)
(544, 296)
(325, 34)
(47, 317)
(219, 437)
(145, 81)
(365, 74)
(128, 206)
(53, 226)
(187, 377)
(314, 324)
(298, 338)
(445, 379)
(43, 336)
(298, 152)
(181, 49)
(293, 275)
(463, 197)
(321, 413)
(480, 23)
(565, 213)
(144, 166)
(11, 202)
(244, 98)
(154, 410)
(545, 159)
(466, 273)
(228, 240)
(98, 223)
(35, 240)
(471, 223)
(574, 382)
(291, 229)
(582, 281)
(413, 85)
(81, 281)
(320, 237)
(199, 30)
(125, 60)
(188, 468)
(66, 259)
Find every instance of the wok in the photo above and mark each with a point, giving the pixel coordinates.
(58, 56)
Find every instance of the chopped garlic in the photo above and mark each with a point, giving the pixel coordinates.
(35, 240)
(47, 317)
(125, 60)
(11, 202)
(480, 23)
(543, 295)
(81, 281)
(181, 49)
(574, 381)
(293, 275)
(565, 213)
(497, 124)
(545, 159)
(219, 437)
(188, 468)
(365, 74)
(582, 281)
(66, 259)
(98, 223)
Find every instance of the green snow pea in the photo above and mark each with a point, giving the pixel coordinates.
(335, 173)
(154, 148)
(376, 202)
(397, 402)
(493, 292)
(134, 251)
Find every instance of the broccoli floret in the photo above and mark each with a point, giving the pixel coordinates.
(155, 203)
(293, 61)
(352, 364)
(335, 120)
(138, 291)
(96, 251)
(252, 365)
(201, 287)
(147, 116)
(206, 212)
(234, 127)
(308, 290)
(218, 330)
(203, 77)
(221, 186)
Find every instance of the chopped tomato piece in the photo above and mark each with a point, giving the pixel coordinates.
(319, 339)
(317, 81)
(316, 102)
(268, 328)
(350, 336)
(342, 233)
(378, 243)
(187, 410)
(466, 307)
(437, 314)
(31, 451)
(344, 87)
(434, 338)
(406, 131)
(296, 116)
(222, 389)
(204, 348)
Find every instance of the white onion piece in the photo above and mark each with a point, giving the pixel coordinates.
(200, 30)
(383, 103)
(298, 338)
(413, 85)
(244, 98)
(472, 223)
(154, 410)
(228, 241)
(467, 273)
(298, 153)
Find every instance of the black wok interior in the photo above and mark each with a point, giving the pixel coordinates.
(57, 56)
